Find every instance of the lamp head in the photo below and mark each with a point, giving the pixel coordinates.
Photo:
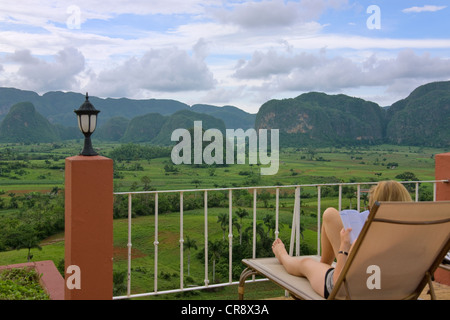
(87, 122)
(87, 117)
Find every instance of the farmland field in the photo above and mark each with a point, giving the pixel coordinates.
(41, 167)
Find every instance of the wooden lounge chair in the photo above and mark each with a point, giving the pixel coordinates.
(403, 241)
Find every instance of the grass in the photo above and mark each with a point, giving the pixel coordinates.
(54, 252)
(329, 165)
(21, 284)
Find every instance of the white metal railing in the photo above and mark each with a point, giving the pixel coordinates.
(295, 231)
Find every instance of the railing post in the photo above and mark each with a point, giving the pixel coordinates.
(156, 243)
(181, 242)
(254, 224)
(358, 197)
(129, 244)
(295, 230)
(442, 172)
(416, 198)
(206, 238)
(277, 210)
(230, 235)
(319, 211)
(89, 228)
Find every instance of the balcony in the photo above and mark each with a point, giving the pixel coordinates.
(273, 203)
(300, 206)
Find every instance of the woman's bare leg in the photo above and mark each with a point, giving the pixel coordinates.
(312, 269)
(330, 235)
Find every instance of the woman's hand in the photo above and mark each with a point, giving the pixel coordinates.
(345, 239)
(344, 248)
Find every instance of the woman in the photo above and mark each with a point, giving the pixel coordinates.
(335, 241)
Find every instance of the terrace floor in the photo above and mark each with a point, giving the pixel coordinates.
(442, 292)
(441, 289)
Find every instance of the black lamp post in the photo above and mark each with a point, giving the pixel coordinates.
(87, 121)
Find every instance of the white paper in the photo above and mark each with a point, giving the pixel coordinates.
(355, 220)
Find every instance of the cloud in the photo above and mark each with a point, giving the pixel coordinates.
(224, 95)
(264, 14)
(161, 70)
(58, 72)
(263, 65)
(248, 51)
(427, 8)
(307, 71)
(149, 7)
(33, 13)
(274, 13)
(201, 49)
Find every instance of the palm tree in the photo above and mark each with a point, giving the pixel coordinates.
(241, 213)
(216, 249)
(222, 218)
(265, 197)
(365, 198)
(349, 194)
(269, 221)
(146, 181)
(188, 245)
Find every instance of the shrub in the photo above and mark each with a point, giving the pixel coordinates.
(21, 284)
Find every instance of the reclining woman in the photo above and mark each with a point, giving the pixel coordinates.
(335, 242)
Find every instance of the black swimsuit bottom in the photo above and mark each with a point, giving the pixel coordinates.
(328, 286)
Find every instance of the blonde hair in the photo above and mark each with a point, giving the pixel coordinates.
(388, 191)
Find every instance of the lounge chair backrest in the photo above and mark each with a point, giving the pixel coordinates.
(400, 244)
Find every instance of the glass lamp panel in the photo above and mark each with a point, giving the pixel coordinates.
(84, 119)
(79, 123)
(93, 122)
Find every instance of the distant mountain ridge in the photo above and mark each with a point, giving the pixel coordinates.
(423, 118)
(58, 107)
(318, 118)
(156, 128)
(312, 118)
(24, 124)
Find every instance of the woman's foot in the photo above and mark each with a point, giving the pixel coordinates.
(279, 249)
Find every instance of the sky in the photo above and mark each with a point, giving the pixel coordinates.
(234, 52)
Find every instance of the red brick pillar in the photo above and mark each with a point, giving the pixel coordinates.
(442, 172)
(88, 228)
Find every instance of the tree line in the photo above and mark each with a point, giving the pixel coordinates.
(29, 218)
